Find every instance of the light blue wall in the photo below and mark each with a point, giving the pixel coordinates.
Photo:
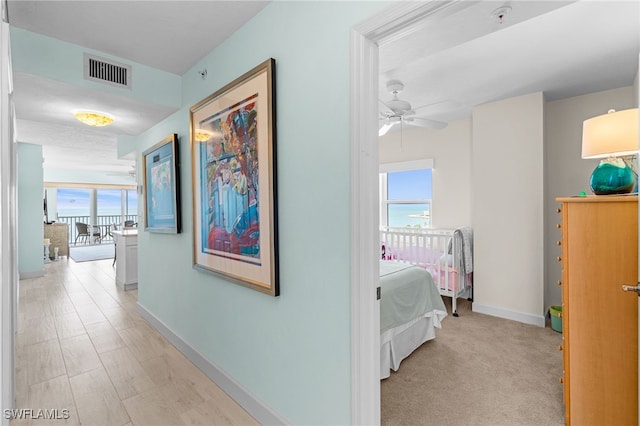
(30, 210)
(292, 352)
(46, 57)
(126, 145)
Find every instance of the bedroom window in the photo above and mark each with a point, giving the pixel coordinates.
(405, 194)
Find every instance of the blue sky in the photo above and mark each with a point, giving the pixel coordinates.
(108, 200)
(71, 198)
(409, 185)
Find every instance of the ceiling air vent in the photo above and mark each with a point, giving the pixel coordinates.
(104, 71)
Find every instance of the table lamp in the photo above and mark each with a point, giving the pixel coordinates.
(614, 138)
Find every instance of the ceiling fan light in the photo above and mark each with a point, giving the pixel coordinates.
(93, 118)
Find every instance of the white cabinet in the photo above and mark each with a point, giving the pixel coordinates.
(126, 259)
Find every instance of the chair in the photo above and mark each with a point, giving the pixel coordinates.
(113, 227)
(83, 231)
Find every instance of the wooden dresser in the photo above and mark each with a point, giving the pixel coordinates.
(600, 321)
(58, 233)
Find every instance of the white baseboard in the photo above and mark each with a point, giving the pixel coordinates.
(30, 274)
(532, 319)
(261, 412)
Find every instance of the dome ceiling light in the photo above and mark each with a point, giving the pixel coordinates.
(93, 118)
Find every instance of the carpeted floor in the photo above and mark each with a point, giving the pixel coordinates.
(480, 370)
(93, 252)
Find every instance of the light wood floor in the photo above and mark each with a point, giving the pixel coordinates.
(82, 347)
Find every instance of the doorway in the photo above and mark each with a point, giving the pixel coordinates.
(394, 23)
(397, 21)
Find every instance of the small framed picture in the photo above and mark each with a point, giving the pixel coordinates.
(161, 186)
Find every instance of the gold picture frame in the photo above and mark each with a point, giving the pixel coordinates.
(233, 153)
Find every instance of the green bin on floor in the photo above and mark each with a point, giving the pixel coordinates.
(556, 318)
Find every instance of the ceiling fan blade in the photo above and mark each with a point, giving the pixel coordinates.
(386, 126)
(425, 122)
(438, 107)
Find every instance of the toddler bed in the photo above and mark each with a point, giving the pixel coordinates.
(410, 310)
(446, 253)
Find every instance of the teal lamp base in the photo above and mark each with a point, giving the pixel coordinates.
(612, 176)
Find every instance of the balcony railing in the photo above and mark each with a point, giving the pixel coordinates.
(103, 223)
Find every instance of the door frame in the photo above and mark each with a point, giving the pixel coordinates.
(8, 221)
(394, 22)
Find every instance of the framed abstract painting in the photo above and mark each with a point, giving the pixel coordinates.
(161, 186)
(233, 153)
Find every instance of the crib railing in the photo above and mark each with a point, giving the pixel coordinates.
(437, 250)
(418, 246)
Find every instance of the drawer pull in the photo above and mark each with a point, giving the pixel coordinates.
(560, 348)
(559, 210)
(559, 243)
(559, 282)
(559, 258)
(561, 380)
(635, 288)
(559, 226)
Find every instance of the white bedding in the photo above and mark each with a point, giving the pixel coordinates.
(410, 309)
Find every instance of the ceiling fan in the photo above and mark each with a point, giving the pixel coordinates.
(397, 111)
(131, 173)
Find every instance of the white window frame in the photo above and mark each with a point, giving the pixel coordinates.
(402, 166)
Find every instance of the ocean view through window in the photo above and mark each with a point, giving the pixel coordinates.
(98, 207)
(406, 198)
(76, 202)
(73, 202)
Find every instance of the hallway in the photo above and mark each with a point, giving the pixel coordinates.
(82, 347)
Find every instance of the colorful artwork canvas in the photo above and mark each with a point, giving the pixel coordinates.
(229, 164)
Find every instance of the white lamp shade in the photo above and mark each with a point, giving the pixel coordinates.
(610, 135)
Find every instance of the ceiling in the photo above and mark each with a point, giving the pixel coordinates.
(449, 62)
(461, 58)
